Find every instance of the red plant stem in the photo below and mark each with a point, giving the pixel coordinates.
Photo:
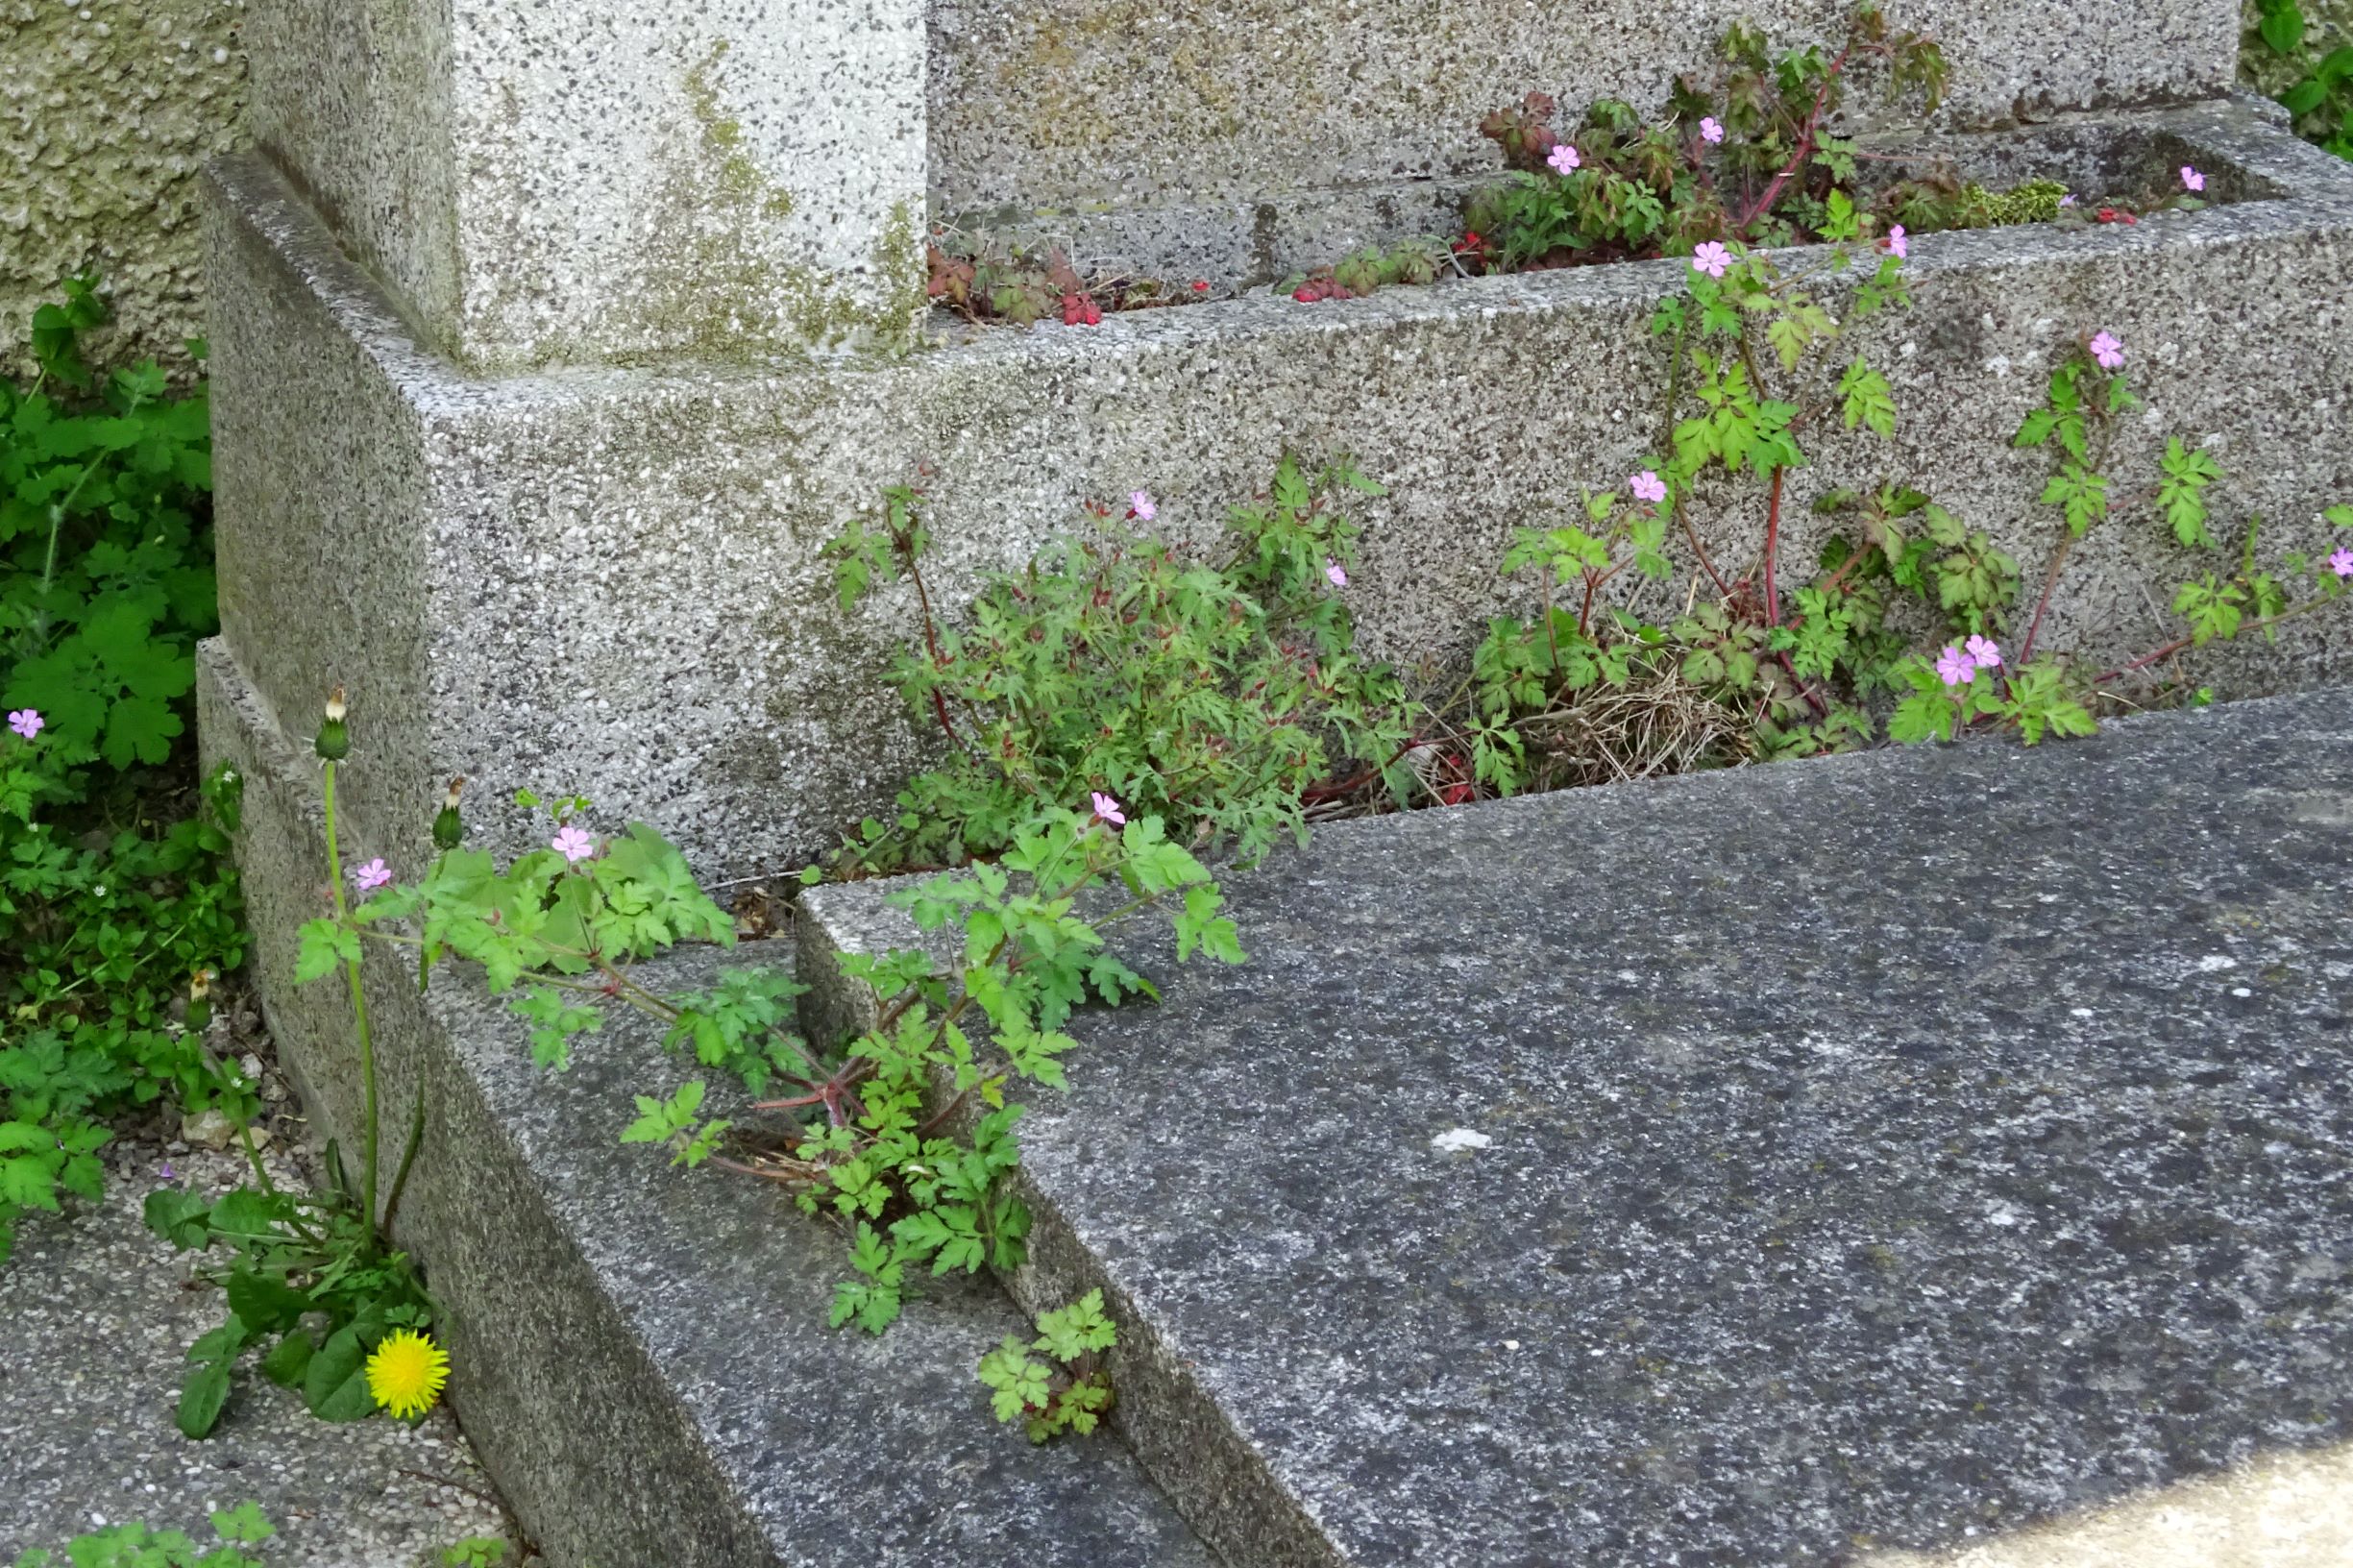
(931, 643)
(1321, 793)
(2188, 639)
(1773, 547)
(1805, 146)
(1683, 515)
(2050, 584)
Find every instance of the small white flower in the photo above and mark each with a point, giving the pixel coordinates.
(1460, 1141)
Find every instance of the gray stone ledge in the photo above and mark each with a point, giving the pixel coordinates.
(1886, 1151)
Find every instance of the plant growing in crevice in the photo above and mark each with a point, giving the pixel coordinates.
(1754, 156)
(1212, 688)
(312, 1271)
(1821, 667)
(136, 1545)
(983, 281)
(1057, 1382)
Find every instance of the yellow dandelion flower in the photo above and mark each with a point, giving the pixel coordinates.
(407, 1372)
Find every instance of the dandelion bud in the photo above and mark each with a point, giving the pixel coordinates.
(447, 828)
(200, 1000)
(334, 740)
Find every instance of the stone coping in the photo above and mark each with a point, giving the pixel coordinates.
(1876, 1152)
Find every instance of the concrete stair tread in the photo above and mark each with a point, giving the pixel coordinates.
(844, 1447)
(1883, 1149)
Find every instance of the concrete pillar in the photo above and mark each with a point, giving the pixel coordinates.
(598, 182)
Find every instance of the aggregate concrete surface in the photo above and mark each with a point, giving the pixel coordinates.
(96, 1313)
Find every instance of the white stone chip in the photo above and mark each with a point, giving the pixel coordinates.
(1460, 1141)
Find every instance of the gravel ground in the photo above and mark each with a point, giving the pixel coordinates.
(95, 1314)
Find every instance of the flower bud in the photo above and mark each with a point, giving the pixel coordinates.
(200, 1000)
(334, 740)
(447, 828)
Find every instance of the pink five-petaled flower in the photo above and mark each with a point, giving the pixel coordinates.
(1143, 505)
(1711, 259)
(1984, 652)
(2191, 179)
(1897, 246)
(1337, 573)
(1711, 130)
(1107, 809)
(1649, 488)
(26, 722)
(572, 844)
(2108, 351)
(2342, 563)
(1564, 158)
(371, 876)
(2068, 199)
(1954, 667)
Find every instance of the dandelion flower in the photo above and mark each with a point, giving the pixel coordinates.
(407, 1373)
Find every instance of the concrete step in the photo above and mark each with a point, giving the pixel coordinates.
(1873, 1152)
(641, 1356)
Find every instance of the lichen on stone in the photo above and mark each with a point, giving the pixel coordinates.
(719, 289)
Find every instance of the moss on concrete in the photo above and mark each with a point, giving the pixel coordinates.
(720, 290)
(108, 110)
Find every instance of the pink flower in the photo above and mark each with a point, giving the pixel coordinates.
(572, 844)
(1649, 487)
(1711, 130)
(2191, 179)
(2108, 352)
(1984, 651)
(1564, 158)
(1143, 505)
(27, 723)
(1337, 573)
(1956, 668)
(1107, 809)
(1899, 246)
(1711, 259)
(2342, 563)
(2068, 199)
(371, 876)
